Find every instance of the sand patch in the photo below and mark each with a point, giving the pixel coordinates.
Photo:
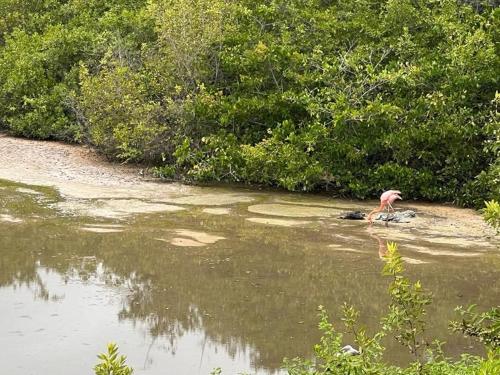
(347, 249)
(279, 222)
(328, 204)
(436, 252)
(348, 238)
(101, 229)
(186, 242)
(217, 211)
(221, 199)
(10, 219)
(413, 261)
(182, 242)
(28, 191)
(114, 208)
(202, 237)
(460, 242)
(105, 225)
(194, 238)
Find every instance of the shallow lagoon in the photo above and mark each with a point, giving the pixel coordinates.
(215, 277)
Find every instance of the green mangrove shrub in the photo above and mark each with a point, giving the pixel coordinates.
(485, 326)
(111, 363)
(406, 322)
(346, 96)
(492, 214)
(120, 120)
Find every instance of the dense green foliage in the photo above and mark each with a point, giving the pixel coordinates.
(349, 96)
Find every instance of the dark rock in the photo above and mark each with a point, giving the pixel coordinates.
(397, 217)
(352, 215)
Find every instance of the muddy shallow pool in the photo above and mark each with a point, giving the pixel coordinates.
(213, 277)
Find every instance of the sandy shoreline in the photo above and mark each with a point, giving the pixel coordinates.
(92, 186)
(75, 171)
(61, 161)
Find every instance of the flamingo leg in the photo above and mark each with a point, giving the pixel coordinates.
(389, 210)
(378, 209)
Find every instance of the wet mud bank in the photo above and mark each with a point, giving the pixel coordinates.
(90, 186)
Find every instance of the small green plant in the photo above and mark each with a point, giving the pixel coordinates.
(166, 171)
(491, 365)
(492, 214)
(484, 326)
(111, 363)
(406, 317)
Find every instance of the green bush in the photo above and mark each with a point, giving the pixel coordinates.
(492, 214)
(119, 119)
(406, 322)
(353, 97)
(34, 86)
(483, 326)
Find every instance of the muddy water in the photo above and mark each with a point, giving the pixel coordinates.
(213, 277)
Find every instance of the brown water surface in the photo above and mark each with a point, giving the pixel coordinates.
(213, 277)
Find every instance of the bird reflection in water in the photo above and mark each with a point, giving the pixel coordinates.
(382, 245)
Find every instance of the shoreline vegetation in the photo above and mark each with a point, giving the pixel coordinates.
(405, 322)
(347, 97)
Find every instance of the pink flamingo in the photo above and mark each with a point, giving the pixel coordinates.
(386, 200)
